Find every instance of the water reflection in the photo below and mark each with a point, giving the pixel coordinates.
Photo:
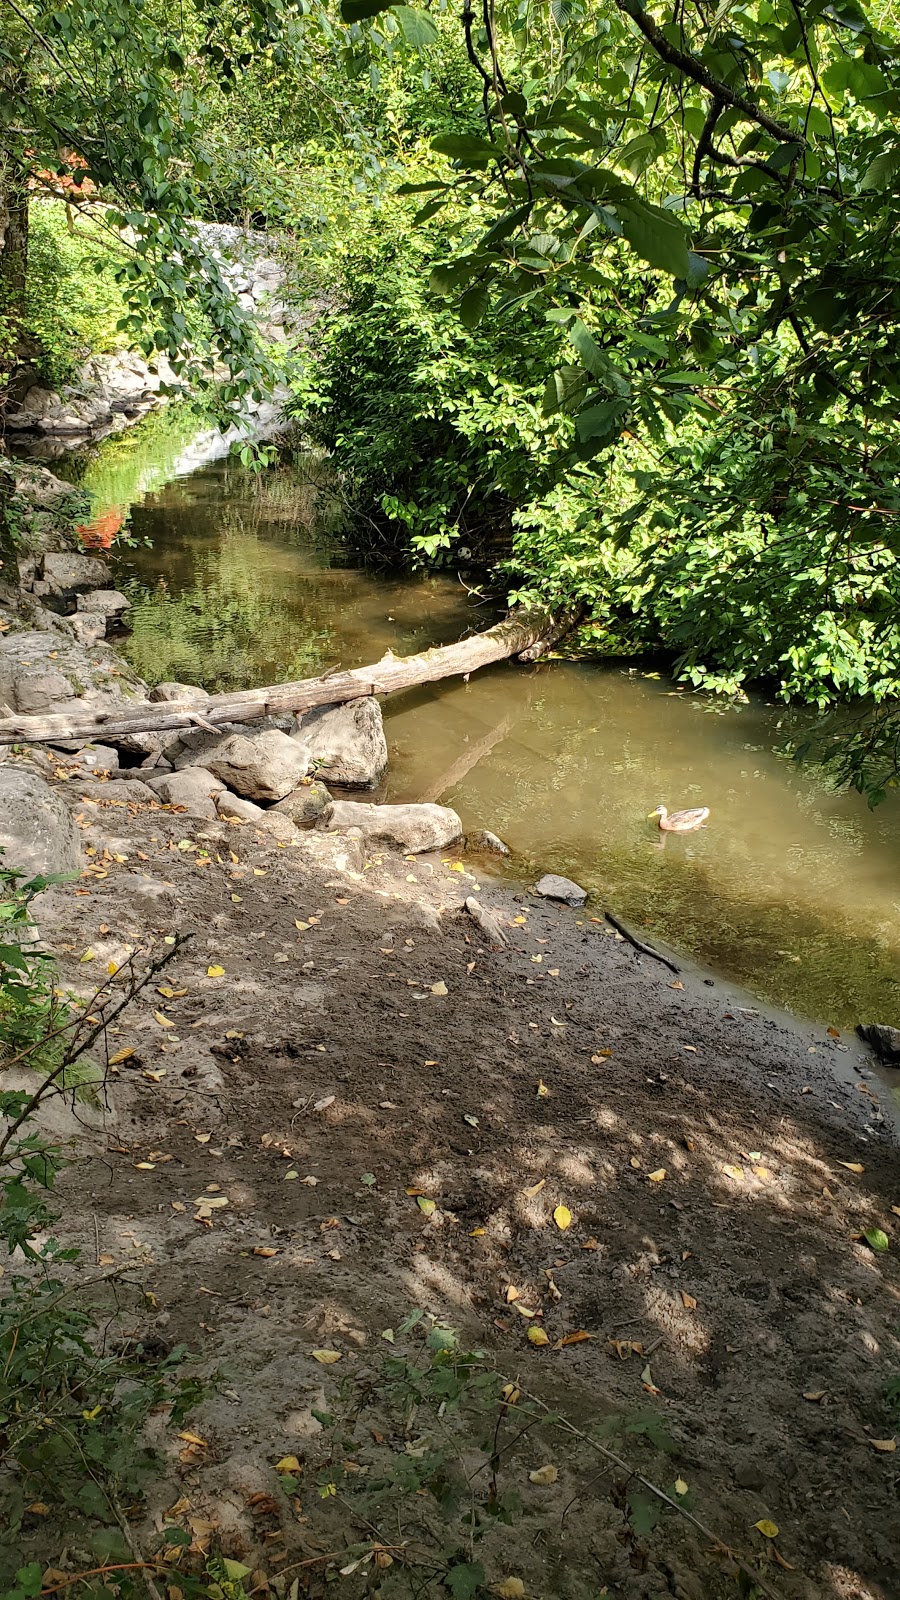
(792, 888)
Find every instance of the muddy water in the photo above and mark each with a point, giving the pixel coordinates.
(792, 889)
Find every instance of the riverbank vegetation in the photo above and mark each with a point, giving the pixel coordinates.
(609, 295)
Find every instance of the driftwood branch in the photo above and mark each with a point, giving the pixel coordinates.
(531, 632)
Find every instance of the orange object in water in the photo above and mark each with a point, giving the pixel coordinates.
(100, 534)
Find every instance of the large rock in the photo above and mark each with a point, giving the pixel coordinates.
(261, 766)
(413, 828)
(117, 791)
(192, 787)
(553, 887)
(69, 573)
(38, 689)
(37, 834)
(234, 809)
(103, 602)
(98, 678)
(178, 691)
(306, 804)
(347, 743)
(885, 1041)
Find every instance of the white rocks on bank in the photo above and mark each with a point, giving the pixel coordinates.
(412, 827)
(194, 788)
(259, 766)
(347, 742)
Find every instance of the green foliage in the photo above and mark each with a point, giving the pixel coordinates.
(73, 304)
(73, 1404)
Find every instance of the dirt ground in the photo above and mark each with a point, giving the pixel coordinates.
(365, 1050)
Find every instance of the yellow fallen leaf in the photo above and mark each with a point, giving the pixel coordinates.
(537, 1336)
(477, 1233)
(599, 1056)
(762, 1173)
(122, 1055)
(518, 921)
(562, 1216)
(896, 1210)
(814, 1395)
(852, 1166)
(145, 1166)
(657, 1176)
(192, 1438)
(780, 1561)
(266, 1250)
(509, 1589)
(544, 1475)
(88, 955)
(288, 1464)
(737, 1173)
(260, 872)
(511, 1394)
(327, 1357)
(577, 1337)
(769, 1530)
(155, 1075)
(886, 1446)
(112, 968)
(512, 1294)
(523, 1310)
(680, 1486)
(440, 987)
(535, 1189)
(428, 1206)
(687, 1300)
(215, 972)
(542, 1089)
(164, 1021)
(458, 867)
(634, 1162)
(38, 1508)
(302, 927)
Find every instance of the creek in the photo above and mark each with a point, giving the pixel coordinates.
(793, 888)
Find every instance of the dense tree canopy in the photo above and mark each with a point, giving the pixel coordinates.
(617, 287)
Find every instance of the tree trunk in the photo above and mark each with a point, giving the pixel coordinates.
(13, 276)
(519, 632)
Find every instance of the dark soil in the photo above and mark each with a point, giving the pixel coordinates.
(697, 1146)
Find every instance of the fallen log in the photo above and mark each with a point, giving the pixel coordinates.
(533, 631)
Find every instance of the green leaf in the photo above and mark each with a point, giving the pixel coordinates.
(464, 147)
(655, 236)
(600, 423)
(416, 27)
(643, 1513)
(876, 1239)
(504, 226)
(464, 1580)
(880, 173)
(596, 361)
(473, 305)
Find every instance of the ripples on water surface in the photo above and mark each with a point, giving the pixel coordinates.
(792, 889)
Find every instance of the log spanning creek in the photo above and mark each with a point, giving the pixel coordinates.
(792, 890)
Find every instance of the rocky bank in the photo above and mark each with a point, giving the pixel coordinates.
(355, 1097)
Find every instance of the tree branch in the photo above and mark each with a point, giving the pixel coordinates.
(693, 68)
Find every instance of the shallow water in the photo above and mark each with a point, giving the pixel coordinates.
(792, 889)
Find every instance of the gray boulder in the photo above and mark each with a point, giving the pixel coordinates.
(178, 691)
(259, 766)
(306, 804)
(124, 791)
(414, 828)
(347, 742)
(103, 602)
(192, 787)
(234, 809)
(885, 1041)
(553, 887)
(38, 689)
(37, 834)
(69, 572)
(98, 758)
(87, 627)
